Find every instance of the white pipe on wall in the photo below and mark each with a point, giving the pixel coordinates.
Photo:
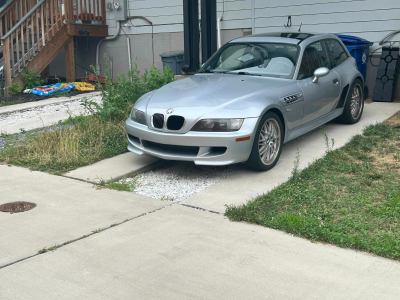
(128, 42)
(219, 32)
(98, 68)
(253, 16)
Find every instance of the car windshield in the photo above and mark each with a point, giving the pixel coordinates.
(260, 59)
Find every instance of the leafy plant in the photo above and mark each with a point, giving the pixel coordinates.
(31, 78)
(119, 96)
(14, 89)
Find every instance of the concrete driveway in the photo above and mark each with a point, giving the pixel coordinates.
(157, 250)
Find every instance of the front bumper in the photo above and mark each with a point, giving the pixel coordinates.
(203, 148)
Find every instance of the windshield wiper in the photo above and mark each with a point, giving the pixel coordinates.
(243, 73)
(209, 71)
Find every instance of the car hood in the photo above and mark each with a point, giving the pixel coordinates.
(213, 95)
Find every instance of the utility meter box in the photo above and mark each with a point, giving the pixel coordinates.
(120, 10)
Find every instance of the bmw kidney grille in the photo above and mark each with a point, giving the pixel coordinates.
(158, 121)
(175, 123)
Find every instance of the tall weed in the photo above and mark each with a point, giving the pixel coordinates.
(119, 96)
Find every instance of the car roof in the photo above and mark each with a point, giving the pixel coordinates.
(280, 37)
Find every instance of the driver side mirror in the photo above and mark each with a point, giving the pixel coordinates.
(320, 72)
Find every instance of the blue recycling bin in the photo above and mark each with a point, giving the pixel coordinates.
(359, 49)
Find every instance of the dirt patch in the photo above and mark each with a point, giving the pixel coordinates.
(394, 120)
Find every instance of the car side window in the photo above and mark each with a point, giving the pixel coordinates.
(314, 57)
(337, 54)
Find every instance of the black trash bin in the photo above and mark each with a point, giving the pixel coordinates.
(175, 60)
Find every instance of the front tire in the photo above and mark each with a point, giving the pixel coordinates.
(354, 105)
(267, 145)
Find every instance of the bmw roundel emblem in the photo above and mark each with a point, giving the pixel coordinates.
(170, 111)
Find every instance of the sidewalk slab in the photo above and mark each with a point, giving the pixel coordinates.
(113, 168)
(66, 209)
(246, 184)
(28, 105)
(184, 253)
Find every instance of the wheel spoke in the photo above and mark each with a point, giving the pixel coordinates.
(356, 102)
(269, 141)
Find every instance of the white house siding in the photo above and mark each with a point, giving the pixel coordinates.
(369, 19)
(167, 16)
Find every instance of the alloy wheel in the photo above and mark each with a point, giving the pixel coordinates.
(269, 141)
(356, 102)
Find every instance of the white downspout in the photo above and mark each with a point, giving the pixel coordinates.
(98, 68)
(219, 31)
(253, 16)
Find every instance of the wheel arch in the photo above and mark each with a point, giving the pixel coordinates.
(281, 117)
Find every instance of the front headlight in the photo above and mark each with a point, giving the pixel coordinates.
(218, 125)
(138, 116)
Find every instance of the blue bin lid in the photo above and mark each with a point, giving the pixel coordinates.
(353, 40)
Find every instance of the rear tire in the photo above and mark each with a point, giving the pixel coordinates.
(267, 145)
(354, 105)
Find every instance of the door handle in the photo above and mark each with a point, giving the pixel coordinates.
(335, 81)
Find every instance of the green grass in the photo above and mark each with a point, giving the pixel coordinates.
(121, 185)
(350, 198)
(84, 140)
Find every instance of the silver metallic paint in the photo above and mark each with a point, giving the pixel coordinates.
(217, 96)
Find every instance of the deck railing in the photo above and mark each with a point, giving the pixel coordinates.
(12, 12)
(30, 35)
(89, 11)
(30, 24)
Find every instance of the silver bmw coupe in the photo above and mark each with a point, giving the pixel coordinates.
(252, 96)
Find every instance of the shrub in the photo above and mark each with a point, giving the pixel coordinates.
(14, 89)
(31, 78)
(119, 96)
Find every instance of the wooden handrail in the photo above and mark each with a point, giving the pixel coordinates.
(12, 12)
(30, 24)
(30, 34)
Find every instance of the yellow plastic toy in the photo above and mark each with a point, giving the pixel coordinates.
(84, 86)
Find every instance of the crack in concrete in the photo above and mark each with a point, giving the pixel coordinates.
(54, 248)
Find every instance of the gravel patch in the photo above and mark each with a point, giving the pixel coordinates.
(17, 116)
(181, 180)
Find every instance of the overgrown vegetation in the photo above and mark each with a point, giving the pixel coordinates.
(350, 198)
(31, 78)
(120, 96)
(83, 140)
(14, 89)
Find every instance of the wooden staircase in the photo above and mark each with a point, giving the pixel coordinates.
(33, 32)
